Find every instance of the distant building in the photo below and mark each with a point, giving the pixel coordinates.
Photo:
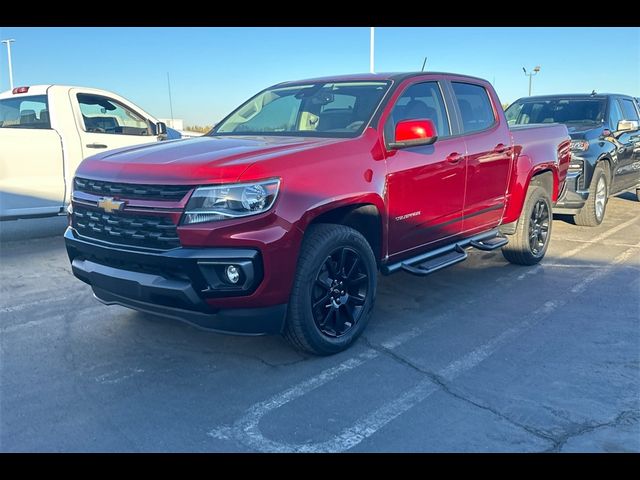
(176, 123)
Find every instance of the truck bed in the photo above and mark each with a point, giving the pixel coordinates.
(535, 140)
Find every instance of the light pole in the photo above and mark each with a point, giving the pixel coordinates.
(536, 69)
(371, 50)
(8, 44)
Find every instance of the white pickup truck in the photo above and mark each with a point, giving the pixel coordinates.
(47, 130)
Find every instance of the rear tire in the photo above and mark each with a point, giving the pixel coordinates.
(592, 214)
(530, 242)
(333, 292)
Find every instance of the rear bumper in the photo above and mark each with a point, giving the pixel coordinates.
(176, 284)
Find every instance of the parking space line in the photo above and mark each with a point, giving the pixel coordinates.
(48, 320)
(570, 253)
(615, 244)
(586, 265)
(17, 308)
(246, 429)
(598, 238)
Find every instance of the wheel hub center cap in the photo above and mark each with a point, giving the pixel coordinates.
(339, 295)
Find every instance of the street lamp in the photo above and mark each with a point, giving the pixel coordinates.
(535, 71)
(8, 44)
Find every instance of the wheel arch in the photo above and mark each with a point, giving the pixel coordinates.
(605, 160)
(366, 218)
(544, 175)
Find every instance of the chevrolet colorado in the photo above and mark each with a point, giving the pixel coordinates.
(278, 220)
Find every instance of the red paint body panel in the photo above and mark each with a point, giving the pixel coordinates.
(537, 149)
(424, 195)
(415, 130)
(489, 163)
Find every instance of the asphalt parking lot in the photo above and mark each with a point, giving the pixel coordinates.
(484, 356)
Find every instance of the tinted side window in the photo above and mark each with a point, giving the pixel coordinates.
(25, 112)
(513, 112)
(615, 115)
(105, 115)
(420, 101)
(629, 110)
(474, 105)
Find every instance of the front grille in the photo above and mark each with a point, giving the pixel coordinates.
(127, 229)
(131, 190)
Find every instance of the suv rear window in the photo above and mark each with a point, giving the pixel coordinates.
(25, 112)
(630, 112)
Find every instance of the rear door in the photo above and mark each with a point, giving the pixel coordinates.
(31, 162)
(627, 172)
(489, 154)
(425, 184)
(106, 123)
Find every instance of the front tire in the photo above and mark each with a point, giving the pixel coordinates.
(530, 242)
(333, 292)
(638, 194)
(592, 214)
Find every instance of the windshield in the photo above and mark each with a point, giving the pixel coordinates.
(558, 110)
(25, 112)
(341, 109)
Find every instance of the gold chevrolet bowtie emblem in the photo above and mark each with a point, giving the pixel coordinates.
(108, 204)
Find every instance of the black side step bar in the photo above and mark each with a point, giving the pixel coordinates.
(429, 262)
(437, 263)
(489, 244)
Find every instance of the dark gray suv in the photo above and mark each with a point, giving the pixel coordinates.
(605, 147)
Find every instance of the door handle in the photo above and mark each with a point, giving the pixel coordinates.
(96, 145)
(454, 158)
(500, 148)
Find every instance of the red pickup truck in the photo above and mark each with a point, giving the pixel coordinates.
(278, 220)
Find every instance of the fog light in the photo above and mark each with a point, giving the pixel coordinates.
(233, 274)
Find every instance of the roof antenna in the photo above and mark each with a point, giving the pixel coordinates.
(593, 92)
(424, 64)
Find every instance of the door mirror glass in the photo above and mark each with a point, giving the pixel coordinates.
(161, 128)
(411, 133)
(627, 125)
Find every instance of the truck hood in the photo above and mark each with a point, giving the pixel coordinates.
(582, 130)
(192, 161)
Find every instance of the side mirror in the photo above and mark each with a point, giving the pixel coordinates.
(161, 128)
(627, 126)
(411, 133)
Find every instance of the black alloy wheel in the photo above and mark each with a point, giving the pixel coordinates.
(539, 227)
(339, 292)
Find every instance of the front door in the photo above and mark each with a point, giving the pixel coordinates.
(106, 123)
(627, 168)
(425, 184)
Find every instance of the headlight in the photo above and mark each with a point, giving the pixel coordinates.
(579, 145)
(222, 202)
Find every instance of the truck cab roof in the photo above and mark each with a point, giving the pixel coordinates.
(376, 77)
(43, 89)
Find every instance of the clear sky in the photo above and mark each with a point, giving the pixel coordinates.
(214, 69)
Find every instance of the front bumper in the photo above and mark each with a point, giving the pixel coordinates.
(573, 197)
(176, 283)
